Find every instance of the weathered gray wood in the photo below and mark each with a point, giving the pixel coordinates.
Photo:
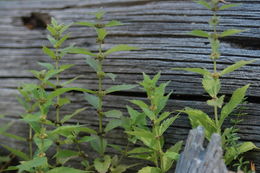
(196, 159)
(160, 28)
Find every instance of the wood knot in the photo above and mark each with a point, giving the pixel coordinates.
(36, 20)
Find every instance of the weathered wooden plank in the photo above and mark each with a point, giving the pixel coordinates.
(160, 29)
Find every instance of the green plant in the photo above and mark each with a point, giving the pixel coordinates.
(46, 129)
(138, 128)
(104, 163)
(212, 84)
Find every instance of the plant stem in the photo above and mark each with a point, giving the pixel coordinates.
(30, 143)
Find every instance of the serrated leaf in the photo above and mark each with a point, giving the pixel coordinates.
(231, 32)
(68, 117)
(149, 169)
(49, 52)
(223, 7)
(90, 24)
(235, 66)
(119, 88)
(201, 71)
(175, 148)
(9, 135)
(140, 103)
(61, 91)
(65, 155)
(120, 47)
(52, 40)
(66, 170)
(18, 153)
(199, 118)
(113, 114)
(52, 30)
(111, 76)
(140, 150)
(232, 153)
(92, 63)
(76, 50)
(102, 166)
(199, 33)
(46, 65)
(36, 162)
(102, 33)
(61, 41)
(204, 3)
(87, 139)
(92, 99)
(166, 124)
(99, 145)
(70, 81)
(211, 85)
(114, 123)
(216, 102)
(113, 23)
(237, 98)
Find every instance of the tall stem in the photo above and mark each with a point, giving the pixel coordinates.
(30, 143)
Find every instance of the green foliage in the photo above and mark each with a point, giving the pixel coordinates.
(152, 137)
(233, 149)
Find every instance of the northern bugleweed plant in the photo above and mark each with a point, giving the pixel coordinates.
(138, 128)
(212, 85)
(104, 163)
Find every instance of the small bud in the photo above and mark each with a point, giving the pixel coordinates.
(216, 75)
(101, 74)
(153, 107)
(43, 135)
(41, 154)
(214, 55)
(43, 118)
(100, 25)
(100, 56)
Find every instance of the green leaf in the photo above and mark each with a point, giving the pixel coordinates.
(113, 23)
(100, 14)
(231, 32)
(166, 124)
(140, 103)
(36, 162)
(52, 30)
(145, 136)
(199, 118)
(120, 47)
(92, 63)
(70, 81)
(172, 155)
(175, 148)
(235, 66)
(199, 33)
(43, 145)
(9, 135)
(92, 99)
(102, 166)
(49, 52)
(237, 98)
(61, 41)
(102, 33)
(46, 65)
(223, 7)
(113, 114)
(68, 117)
(66, 170)
(52, 40)
(211, 85)
(112, 124)
(216, 101)
(87, 139)
(99, 145)
(140, 150)
(149, 169)
(61, 91)
(232, 153)
(65, 155)
(163, 116)
(67, 130)
(90, 24)
(119, 88)
(18, 153)
(76, 50)
(111, 76)
(201, 71)
(204, 3)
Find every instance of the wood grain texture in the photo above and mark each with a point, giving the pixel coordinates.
(160, 28)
